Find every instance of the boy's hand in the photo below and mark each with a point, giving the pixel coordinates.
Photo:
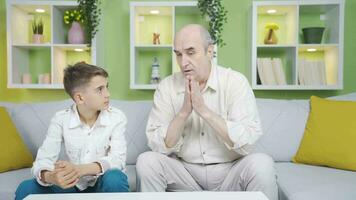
(65, 175)
(68, 167)
(61, 178)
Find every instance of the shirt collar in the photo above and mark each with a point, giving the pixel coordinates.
(211, 83)
(74, 119)
(212, 80)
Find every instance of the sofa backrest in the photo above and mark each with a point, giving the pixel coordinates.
(283, 123)
(32, 121)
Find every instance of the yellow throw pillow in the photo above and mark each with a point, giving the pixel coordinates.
(13, 152)
(330, 135)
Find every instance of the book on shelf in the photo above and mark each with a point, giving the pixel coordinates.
(278, 71)
(270, 71)
(311, 72)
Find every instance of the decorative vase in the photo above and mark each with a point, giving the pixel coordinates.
(37, 38)
(270, 37)
(76, 34)
(313, 35)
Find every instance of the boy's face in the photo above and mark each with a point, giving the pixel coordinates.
(95, 95)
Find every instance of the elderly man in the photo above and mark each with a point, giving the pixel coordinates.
(202, 127)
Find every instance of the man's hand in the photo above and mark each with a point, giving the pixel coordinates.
(187, 104)
(197, 99)
(65, 175)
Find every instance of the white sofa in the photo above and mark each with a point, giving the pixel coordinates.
(283, 123)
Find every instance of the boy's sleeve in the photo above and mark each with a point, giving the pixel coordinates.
(48, 153)
(116, 157)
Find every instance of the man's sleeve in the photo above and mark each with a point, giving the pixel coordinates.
(48, 153)
(243, 120)
(160, 117)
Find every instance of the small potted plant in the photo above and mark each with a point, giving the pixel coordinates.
(313, 35)
(74, 18)
(37, 30)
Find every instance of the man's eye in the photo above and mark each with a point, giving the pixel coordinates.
(191, 52)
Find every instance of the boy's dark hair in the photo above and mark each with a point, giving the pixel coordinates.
(79, 75)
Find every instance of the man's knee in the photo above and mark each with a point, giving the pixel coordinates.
(148, 162)
(26, 188)
(261, 166)
(115, 181)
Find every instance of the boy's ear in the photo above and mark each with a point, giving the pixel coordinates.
(78, 98)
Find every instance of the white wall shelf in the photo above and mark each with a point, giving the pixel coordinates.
(304, 66)
(170, 17)
(47, 58)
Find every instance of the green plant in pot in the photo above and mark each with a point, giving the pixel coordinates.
(37, 30)
(216, 14)
(313, 35)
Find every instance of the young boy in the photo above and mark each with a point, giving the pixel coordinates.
(93, 136)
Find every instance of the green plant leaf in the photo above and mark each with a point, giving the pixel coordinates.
(217, 15)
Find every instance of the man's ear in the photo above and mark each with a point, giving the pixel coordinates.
(210, 51)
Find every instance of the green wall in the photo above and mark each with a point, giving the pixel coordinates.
(114, 44)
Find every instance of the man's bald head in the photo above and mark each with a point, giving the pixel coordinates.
(197, 32)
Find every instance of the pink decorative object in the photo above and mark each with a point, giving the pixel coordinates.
(44, 78)
(37, 38)
(26, 78)
(76, 34)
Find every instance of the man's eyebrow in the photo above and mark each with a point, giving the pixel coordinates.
(186, 49)
(189, 49)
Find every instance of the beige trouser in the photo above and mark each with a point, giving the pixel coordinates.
(158, 173)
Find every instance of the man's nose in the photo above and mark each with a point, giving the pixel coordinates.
(185, 61)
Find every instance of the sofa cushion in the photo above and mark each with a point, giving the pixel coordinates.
(10, 180)
(131, 175)
(330, 135)
(137, 116)
(307, 182)
(13, 152)
(283, 123)
(32, 121)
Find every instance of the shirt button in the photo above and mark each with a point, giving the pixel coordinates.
(202, 134)
(87, 151)
(203, 152)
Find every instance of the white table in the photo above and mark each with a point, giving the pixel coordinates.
(153, 196)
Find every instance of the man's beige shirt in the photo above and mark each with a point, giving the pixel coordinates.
(229, 95)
